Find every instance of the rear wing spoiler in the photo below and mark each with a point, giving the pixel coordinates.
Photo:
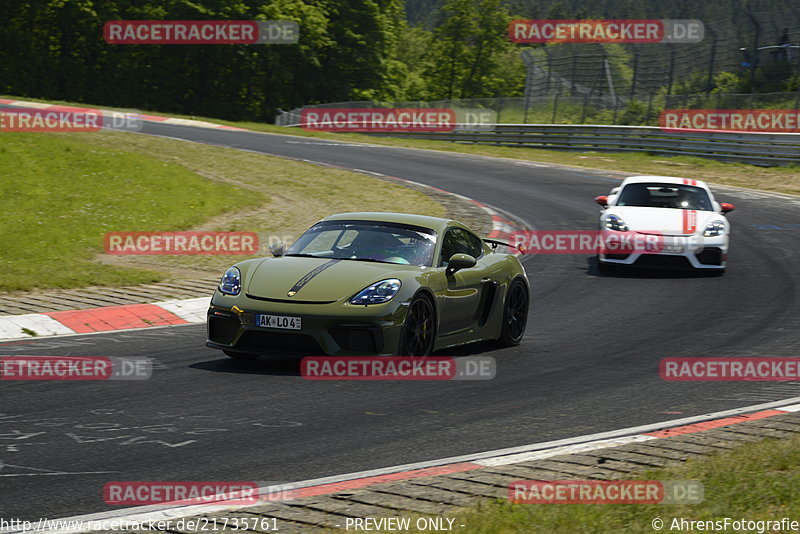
(496, 242)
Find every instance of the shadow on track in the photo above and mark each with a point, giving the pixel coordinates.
(627, 271)
(265, 365)
(290, 365)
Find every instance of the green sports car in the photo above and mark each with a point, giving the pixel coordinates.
(371, 284)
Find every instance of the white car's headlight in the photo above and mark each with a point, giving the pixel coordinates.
(378, 293)
(231, 283)
(714, 229)
(614, 222)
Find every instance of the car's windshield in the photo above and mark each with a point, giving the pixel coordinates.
(367, 241)
(654, 195)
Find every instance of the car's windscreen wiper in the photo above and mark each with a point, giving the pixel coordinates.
(307, 256)
(367, 259)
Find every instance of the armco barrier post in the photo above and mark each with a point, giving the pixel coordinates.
(756, 40)
(555, 106)
(527, 57)
(712, 58)
(574, 67)
(671, 74)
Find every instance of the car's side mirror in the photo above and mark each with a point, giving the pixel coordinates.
(277, 249)
(460, 261)
(602, 200)
(726, 207)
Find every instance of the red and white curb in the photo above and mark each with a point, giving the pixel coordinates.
(502, 225)
(189, 122)
(456, 464)
(116, 114)
(105, 319)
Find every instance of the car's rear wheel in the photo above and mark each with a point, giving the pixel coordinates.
(515, 314)
(241, 356)
(419, 329)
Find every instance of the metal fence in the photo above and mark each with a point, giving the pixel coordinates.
(582, 109)
(626, 72)
(767, 149)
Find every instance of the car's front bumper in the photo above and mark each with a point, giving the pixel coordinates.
(327, 329)
(694, 252)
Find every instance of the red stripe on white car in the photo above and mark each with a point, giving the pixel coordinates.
(689, 221)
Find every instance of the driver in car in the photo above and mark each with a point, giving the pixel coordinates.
(378, 246)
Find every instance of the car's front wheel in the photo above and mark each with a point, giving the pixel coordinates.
(419, 329)
(515, 314)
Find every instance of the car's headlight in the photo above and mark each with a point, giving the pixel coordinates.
(231, 282)
(714, 229)
(378, 293)
(616, 223)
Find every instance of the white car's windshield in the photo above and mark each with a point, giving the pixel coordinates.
(367, 241)
(654, 195)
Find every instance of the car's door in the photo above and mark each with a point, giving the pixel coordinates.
(462, 295)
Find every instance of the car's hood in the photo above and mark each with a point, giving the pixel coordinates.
(317, 279)
(664, 221)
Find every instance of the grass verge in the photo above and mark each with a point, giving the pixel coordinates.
(61, 193)
(756, 482)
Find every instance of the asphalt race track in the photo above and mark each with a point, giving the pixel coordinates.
(588, 363)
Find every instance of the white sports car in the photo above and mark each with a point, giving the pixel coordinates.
(680, 214)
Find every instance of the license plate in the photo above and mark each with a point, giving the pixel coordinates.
(278, 321)
(675, 248)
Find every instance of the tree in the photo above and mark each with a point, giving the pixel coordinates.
(467, 47)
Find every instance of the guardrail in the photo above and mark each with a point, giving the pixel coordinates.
(768, 149)
(746, 147)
